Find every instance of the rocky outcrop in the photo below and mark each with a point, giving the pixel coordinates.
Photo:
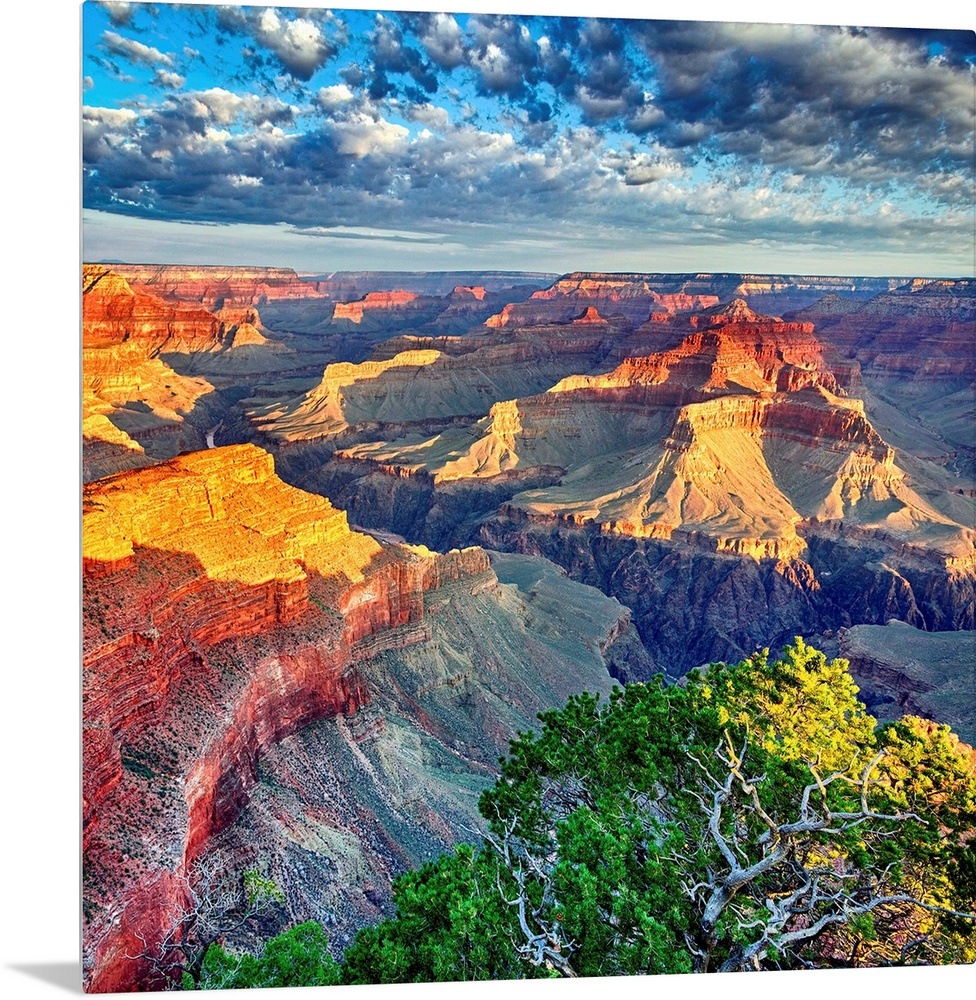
(629, 296)
(144, 396)
(199, 555)
(434, 379)
(113, 312)
(917, 334)
(225, 612)
(694, 605)
(376, 303)
(740, 442)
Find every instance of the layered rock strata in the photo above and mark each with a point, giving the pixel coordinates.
(738, 441)
(218, 287)
(224, 612)
(449, 379)
(137, 407)
(903, 671)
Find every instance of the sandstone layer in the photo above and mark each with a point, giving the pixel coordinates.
(218, 287)
(903, 671)
(145, 393)
(226, 611)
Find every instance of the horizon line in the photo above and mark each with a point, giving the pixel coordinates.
(559, 275)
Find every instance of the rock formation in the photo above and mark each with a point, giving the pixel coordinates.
(226, 611)
(904, 671)
(741, 440)
(147, 393)
(217, 287)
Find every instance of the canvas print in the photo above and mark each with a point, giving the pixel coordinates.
(528, 504)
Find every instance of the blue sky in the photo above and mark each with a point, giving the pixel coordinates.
(330, 138)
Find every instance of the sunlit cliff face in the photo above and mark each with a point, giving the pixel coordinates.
(231, 514)
(224, 611)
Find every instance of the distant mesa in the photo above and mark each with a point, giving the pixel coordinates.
(736, 311)
(216, 287)
(469, 292)
(373, 302)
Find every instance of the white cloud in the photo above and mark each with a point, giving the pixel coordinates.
(428, 114)
(165, 78)
(359, 135)
(331, 98)
(443, 41)
(299, 44)
(118, 12)
(135, 52)
(226, 108)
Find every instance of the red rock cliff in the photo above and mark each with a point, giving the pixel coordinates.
(224, 610)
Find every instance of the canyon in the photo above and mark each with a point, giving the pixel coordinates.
(345, 534)
(226, 614)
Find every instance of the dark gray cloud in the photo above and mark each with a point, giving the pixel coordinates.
(391, 55)
(864, 104)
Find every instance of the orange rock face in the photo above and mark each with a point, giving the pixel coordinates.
(113, 313)
(224, 610)
(373, 302)
(218, 287)
(133, 403)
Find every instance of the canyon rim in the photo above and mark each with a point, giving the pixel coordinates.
(439, 367)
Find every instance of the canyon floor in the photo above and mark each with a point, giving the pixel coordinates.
(344, 535)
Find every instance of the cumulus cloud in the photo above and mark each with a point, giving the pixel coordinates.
(726, 132)
(217, 106)
(390, 54)
(334, 97)
(428, 114)
(133, 51)
(360, 135)
(120, 14)
(503, 53)
(441, 38)
(104, 131)
(299, 44)
(167, 79)
(864, 104)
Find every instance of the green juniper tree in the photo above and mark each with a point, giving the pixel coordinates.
(298, 957)
(752, 817)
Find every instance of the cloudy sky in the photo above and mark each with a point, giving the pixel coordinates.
(332, 138)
